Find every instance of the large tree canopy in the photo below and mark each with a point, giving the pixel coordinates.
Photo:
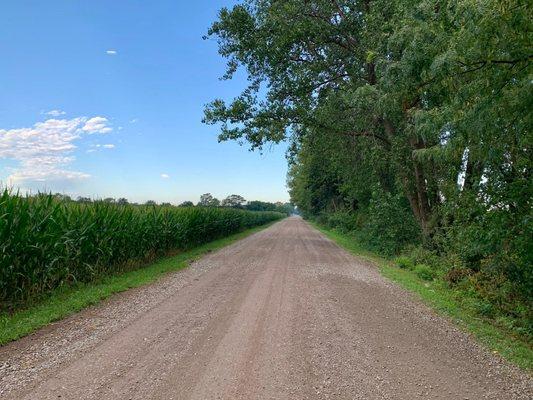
(418, 106)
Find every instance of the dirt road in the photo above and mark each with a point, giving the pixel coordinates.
(282, 314)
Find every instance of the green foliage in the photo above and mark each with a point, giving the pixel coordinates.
(405, 263)
(344, 221)
(389, 226)
(487, 293)
(424, 272)
(408, 122)
(47, 243)
(207, 200)
(422, 255)
(256, 205)
(66, 300)
(233, 200)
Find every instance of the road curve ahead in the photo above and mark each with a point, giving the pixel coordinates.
(282, 314)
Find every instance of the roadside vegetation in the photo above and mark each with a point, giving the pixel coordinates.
(49, 243)
(410, 127)
(69, 299)
(206, 200)
(462, 307)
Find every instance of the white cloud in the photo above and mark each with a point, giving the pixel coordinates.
(105, 146)
(165, 176)
(133, 121)
(111, 52)
(55, 113)
(45, 150)
(97, 125)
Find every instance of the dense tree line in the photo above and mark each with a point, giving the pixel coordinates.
(237, 201)
(206, 200)
(409, 123)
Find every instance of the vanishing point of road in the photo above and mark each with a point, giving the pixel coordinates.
(282, 314)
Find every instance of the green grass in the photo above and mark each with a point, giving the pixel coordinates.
(66, 301)
(451, 303)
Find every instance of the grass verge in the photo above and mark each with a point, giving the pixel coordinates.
(445, 301)
(68, 300)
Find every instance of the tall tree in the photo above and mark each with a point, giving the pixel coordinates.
(233, 200)
(391, 75)
(207, 200)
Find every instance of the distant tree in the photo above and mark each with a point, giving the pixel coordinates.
(290, 209)
(233, 200)
(109, 200)
(122, 201)
(150, 203)
(257, 205)
(187, 204)
(166, 204)
(62, 197)
(82, 199)
(207, 200)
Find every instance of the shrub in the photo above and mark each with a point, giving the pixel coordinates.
(390, 225)
(424, 272)
(421, 255)
(343, 220)
(456, 275)
(405, 263)
(484, 308)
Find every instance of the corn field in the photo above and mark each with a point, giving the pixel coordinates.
(46, 243)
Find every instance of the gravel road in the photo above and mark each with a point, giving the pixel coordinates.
(282, 314)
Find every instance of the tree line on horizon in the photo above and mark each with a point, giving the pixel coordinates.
(409, 124)
(206, 200)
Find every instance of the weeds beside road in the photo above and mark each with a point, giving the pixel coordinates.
(454, 304)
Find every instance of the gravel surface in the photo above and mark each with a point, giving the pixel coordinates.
(282, 314)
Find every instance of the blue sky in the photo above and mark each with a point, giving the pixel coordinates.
(105, 99)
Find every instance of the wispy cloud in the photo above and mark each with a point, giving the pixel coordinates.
(133, 121)
(165, 176)
(111, 52)
(54, 113)
(45, 150)
(97, 125)
(98, 146)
